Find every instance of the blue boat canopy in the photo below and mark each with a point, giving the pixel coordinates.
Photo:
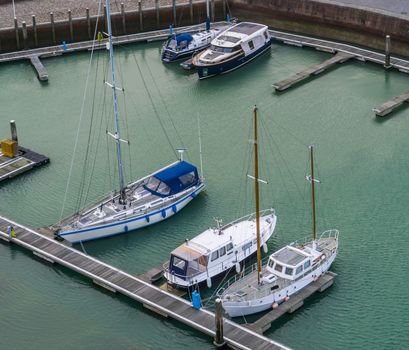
(183, 37)
(173, 180)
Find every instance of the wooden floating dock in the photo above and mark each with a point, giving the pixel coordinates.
(115, 280)
(389, 106)
(340, 57)
(25, 161)
(40, 69)
(295, 302)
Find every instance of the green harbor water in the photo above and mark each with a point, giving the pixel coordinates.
(362, 163)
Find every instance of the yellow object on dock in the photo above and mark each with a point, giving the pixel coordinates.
(9, 148)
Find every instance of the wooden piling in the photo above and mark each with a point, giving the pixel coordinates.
(24, 30)
(174, 13)
(105, 20)
(13, 130)
(157, 13)
(35, 30)
(88, 22)
(387, 52)
(52, 26)
(219, 338)
(123, 18)
(212, 12)
(224, 10)
(70, 24)
(191, 11)
(17, 35)
(140, 15)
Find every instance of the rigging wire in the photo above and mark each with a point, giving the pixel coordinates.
(81, 116)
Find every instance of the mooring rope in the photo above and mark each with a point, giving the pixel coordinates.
(81, 115)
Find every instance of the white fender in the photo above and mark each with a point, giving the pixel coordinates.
(265, 248)
(237, 267)
(209, 282)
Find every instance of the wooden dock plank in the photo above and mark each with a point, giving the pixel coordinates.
(39, 67)
(152, 297)
(392, 104)
(310, 71)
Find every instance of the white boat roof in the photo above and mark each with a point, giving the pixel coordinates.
(239, 33)
(290, 256)
(211, 239)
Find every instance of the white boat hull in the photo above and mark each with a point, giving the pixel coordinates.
(130, 223)
(236, 309)
(229, 262)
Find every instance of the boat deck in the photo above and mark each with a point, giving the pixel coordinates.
(115, 280)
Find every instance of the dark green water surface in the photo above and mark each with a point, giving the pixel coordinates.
(362, 163)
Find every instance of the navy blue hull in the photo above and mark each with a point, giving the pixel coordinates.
(227, 66)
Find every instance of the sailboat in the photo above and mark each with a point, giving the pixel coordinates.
(216, 250)
(184, 45)
(288, 270)
(138, 204)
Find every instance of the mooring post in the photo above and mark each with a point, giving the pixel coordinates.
(191, 10)
(157, 13)
(224, 10)
(212, 11)
(35, 30)
(70, 23)
(52, 26)
(24, 29)
(13, 130)
(219, 339)
(123, 18)
(88, 22)
(105, 20)
(387, 52)
(174, 13)
(140, 15)
(17, 35)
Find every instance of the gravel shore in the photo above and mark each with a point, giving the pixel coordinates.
(42, 8)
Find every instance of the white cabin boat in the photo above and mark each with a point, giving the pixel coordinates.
(217, 250)
(232, 49)
(288, 271)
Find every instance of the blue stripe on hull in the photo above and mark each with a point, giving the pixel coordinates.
(225, 67)
(120, 223)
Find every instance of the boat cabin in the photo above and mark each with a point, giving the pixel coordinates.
(289, 263)
(172, 180)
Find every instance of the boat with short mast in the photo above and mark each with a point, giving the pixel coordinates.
(217, 250)
(185, 45)
(287, 271)
(138, 204)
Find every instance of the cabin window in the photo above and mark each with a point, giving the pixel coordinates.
(278, 268)
(179, 263)
(215, 255)
(188, 178)
(202, 260)
(229, 246)
(222, 251)
(307, 264)
(298, 270)
(271, 263)
(251, 44)
(289, 271)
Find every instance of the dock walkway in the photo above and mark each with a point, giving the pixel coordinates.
(115, 280)
(389, 106)
(340, 57)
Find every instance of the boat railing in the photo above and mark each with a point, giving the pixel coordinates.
(333, 233)
(250, 217)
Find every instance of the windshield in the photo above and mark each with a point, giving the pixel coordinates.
(158, 186)
(216, 48)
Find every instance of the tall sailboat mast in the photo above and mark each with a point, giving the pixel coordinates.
(257, 194)
(314, 225)
(114, 88)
